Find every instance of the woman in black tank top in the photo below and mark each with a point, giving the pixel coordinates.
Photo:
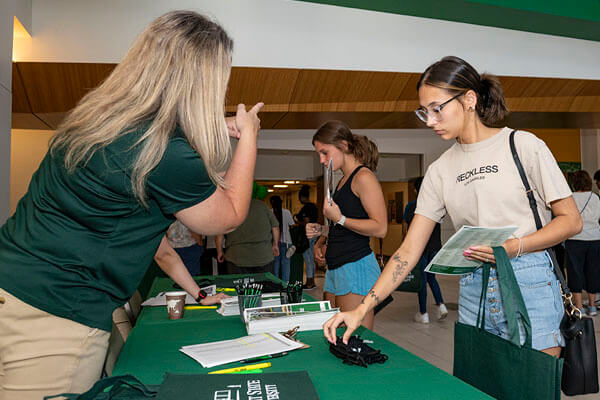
(357, 213)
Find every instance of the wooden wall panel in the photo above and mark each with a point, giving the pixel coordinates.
(51, 119)
(28, 121)
(273, 86)
(57, 87)
(330, 88)
(20, 104)
(297, 99)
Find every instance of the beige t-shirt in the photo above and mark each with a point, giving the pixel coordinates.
(478, 184)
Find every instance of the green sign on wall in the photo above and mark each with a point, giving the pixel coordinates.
(577, 19)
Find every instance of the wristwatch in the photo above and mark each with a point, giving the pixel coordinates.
(201, 295)
(342, 220)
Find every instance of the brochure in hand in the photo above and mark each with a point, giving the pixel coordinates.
(307, 316)
(450, 259)
(281, 386)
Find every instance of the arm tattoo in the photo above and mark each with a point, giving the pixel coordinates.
(399, 268)
(374, 296)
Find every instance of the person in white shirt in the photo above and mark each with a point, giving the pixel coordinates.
(476, 182)
(583, 249)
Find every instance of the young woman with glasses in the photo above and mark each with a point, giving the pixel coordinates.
(476, 182)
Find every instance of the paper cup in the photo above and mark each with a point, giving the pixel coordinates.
(175, 304)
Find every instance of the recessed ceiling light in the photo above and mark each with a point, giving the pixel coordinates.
(280, 186)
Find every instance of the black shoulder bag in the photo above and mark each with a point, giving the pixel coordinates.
(580, 368)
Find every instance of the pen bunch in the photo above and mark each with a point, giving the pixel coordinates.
(249, 295)
(291, 293)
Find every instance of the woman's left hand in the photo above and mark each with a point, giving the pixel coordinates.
(216, 299)
(486, 254)
(332, 212)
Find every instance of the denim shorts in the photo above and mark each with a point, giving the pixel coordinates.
(541, 293)
(356, 277)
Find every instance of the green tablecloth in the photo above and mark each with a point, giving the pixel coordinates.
(152, 349)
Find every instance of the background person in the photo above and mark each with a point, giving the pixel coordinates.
(357, 211)
(597, 179)
(433, 246)
(583, 249)
(309, 213)
(253, 246)
(476, 183)
(284, 217)
(188, 245)
(148, 146)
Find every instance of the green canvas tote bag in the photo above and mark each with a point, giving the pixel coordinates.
(502, 368)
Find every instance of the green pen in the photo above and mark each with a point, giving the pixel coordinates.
(267, 357)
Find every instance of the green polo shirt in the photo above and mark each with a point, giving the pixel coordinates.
(79, 243)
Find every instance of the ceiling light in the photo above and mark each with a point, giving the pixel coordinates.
(280, 186)
(290, 182)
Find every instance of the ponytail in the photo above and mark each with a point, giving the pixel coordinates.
(491, 105)
(365, 151)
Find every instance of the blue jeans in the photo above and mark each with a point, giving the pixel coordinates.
(541, 294)
(309, 258)
(428, 278)
(191, 257)
(282, 263)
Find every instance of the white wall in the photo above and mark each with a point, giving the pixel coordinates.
(286, 166)
(7, 12)
(394, 141)
(284, 33)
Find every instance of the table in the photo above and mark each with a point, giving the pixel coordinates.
(152, 349)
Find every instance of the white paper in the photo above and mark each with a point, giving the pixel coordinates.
(450, 259)
(161, 299)
(226, 351)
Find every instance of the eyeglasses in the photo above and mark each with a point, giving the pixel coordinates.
(436, 112)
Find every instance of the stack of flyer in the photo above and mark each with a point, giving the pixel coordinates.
(307, 316)
(229, 306)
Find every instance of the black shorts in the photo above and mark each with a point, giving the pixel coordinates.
(583, 265)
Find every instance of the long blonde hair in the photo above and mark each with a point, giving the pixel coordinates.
(175, 73)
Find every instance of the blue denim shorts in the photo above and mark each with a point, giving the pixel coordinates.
(357, 277)
(541, 293)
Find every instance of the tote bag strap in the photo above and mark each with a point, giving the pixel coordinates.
(512, 299)
(115, 383)
(484, 286)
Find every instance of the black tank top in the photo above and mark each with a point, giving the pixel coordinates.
(343, 245)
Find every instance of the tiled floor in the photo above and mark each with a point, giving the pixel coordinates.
(434, 341)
